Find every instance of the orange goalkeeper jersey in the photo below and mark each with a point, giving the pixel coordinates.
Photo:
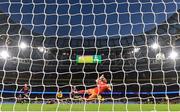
(101, 87)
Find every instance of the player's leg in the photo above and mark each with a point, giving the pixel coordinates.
(93, 94)
(81, 92)
(19, 99)
(92, 97)
(26, 98)
(87, 91)
(22, 99)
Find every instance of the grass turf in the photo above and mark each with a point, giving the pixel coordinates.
(90, 107)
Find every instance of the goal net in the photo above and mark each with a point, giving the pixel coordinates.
(84, 54)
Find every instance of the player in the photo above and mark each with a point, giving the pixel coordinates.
(59, 95)
(102, 86)
(25, 91)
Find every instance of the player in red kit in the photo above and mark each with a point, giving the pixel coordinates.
(102, 86)
(25, 91)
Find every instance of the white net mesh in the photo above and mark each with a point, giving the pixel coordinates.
(89, 55)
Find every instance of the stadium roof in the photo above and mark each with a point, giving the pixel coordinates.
(166, 34)
(161, 32)
(88, 18)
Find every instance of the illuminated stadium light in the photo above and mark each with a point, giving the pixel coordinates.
(173, 55)
(136, 50)
(42, 49)
(23, 45)
(155, 46)
(4, 54)
(160, 56)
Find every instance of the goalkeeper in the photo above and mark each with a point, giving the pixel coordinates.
(93, 93)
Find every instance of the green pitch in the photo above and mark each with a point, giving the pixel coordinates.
(90, 107)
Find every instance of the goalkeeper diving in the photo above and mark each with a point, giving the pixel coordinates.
(101, 86)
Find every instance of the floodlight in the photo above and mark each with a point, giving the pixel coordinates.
(23, 45)
(155, 46)
(42, 49)
(173, 55)
(136, 50)
(4, 54)
(160, 56)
